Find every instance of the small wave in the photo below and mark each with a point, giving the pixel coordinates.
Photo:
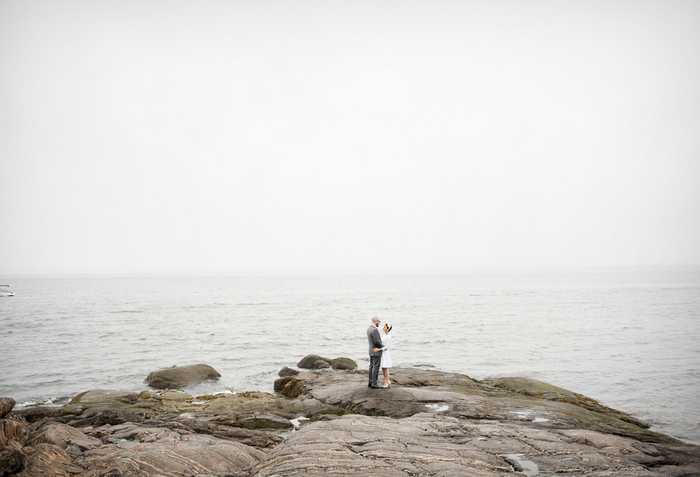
(46, 401)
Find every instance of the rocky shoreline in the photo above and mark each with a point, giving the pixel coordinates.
(326, 421)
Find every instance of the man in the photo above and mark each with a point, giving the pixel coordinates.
(375, 357)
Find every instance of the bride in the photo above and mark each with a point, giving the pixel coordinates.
(386, 357)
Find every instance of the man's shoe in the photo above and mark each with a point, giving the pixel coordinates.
(376, 387)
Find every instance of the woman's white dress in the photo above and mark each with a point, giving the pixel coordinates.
(386, 357)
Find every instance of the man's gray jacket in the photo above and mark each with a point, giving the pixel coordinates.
(375, 341)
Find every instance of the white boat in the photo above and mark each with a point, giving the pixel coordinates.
(6, 291)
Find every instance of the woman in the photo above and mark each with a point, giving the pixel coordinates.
(386, 357)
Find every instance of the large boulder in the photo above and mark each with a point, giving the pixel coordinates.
(314, 361)
(284, 372)
(310, 361)
(343, 363)
(180, 376)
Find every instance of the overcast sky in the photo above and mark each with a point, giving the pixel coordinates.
(171, 136)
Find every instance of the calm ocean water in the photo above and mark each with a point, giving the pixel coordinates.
(629, 339)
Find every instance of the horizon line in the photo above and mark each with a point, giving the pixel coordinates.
(343, 272)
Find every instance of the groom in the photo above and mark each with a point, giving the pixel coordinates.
(375, 357)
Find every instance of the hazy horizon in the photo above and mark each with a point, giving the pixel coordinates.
(218, 137)
(495, 271)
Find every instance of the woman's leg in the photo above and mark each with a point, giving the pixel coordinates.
(385, 371)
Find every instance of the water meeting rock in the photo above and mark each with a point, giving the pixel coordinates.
(179, 376)
(328, 422)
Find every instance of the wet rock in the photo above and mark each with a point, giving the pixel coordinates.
(250, 437)
(95, 418)
(265, 421)
(322, 364)
(309, 361)
(284, 372)
(105, 396)
(289, 386)
(174, 396)
(314, 361)
(38, 413)
(180, 376)
(343, 363)
(6, 405)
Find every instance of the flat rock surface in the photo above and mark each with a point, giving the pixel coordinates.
(432, 444)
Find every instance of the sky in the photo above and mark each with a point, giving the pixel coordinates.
(291, 136)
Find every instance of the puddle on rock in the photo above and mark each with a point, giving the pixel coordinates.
(528, 467)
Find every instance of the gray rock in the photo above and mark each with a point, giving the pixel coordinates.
(434, 444)
(266, 421)
(322, 364)
(284, 372)
(309, 362)
(314, 361)
(289, 386)
(343, 363)
(428, 423)
(180, 376)
(147, 451)
(62, 436)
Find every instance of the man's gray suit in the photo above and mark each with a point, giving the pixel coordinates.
(375, 357)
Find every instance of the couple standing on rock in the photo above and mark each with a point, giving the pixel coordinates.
(379, 356)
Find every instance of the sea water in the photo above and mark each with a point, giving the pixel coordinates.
(627, 338)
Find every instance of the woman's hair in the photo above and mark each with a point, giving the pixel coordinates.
(388, 326)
